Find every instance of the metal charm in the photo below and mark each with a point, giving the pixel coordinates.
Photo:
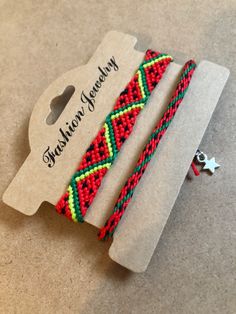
(210, 164)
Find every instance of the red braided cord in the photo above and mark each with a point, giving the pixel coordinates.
(148, 152)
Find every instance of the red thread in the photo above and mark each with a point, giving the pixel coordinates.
(195, 170)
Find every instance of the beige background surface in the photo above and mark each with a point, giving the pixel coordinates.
(49, 265)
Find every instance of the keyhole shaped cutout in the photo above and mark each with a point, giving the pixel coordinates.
(59, 103)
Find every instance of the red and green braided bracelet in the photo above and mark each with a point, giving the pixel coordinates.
(148, 151)
(117, 127)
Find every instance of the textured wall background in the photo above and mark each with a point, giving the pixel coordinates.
(47, 264)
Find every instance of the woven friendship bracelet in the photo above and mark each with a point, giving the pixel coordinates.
(148, 151)
(117, 127)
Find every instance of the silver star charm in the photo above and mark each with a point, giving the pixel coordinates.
(211, 165)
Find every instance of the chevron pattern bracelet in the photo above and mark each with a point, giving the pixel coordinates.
(105, 147)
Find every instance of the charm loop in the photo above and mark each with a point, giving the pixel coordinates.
(201, 157)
